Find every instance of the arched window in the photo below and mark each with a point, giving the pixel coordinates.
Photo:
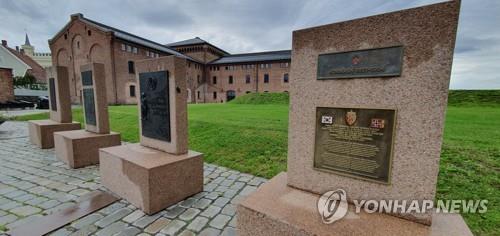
(230, 79)
(214, 80)
(131, 67)
(215, 95)
(285, 78)
(266, 78)
(247, 79)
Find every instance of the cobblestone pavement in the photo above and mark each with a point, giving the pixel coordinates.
(33, 183)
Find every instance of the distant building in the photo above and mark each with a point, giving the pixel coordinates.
(44, 59)
(20, 63)
(213, 75)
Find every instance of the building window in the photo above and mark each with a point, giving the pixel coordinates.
(78, 44)
(131, 69)
(247, 79)
(285, 65)
(198, 94)
(65, 36)
(129, 48)
(89, 33)
(198, 78)
(134, 50)
(147, 53)
(215, 95)
(132, 90)
(248, 92)
(230, 79)
(124, 47)
(285, 78)
(227, 68)
(266, 78)
(214, 80)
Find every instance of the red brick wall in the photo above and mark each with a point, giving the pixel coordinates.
(6, 85)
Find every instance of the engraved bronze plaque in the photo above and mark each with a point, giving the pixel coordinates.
(52, 92)
(355, 142)
(89, 106)
(87, 78)
(155, 106)
(378, 62)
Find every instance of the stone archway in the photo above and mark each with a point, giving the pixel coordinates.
(230, 95)
(96, 53)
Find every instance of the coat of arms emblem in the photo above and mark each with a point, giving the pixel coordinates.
(350, 118)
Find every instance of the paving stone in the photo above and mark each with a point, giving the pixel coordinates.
(211, 211)
(25, 210)
(197, 224)
(87, 220)
(156, 226)
(14, 194)
(62, 232)
(187, 233)
(10, 205)
(247, 190)
(189, 214)
(112, 208)
(232, 223)
(230, 193)
(36, 201)
(146, 220)
(174, 212)
(130, 231)
(49, 204)
(173, 227)
(79, 192)
(23, 221)
(25, 197)
(220, 221)
(133, 216)
(115, 216)
(112, 229)
(6, 219)
(7, 190)
(188, 202)
(87, 230)
(2, 213)
(229, 210)
(221, 202)
(59, 208)
(210, 232)
(229, 231)
(212, 195)
(202, 203)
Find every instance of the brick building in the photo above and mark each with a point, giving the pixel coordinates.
(6, 85)
(213, 74)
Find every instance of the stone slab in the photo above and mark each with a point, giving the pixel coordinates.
(80, 148)
(419, 96)
(100, 100)
(61, 112)
(148, 178)
(277, 209)
(41, 132)
(176, 68)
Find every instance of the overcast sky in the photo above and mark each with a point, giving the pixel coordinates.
(253, 25)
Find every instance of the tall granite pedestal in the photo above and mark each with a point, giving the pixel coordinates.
(80, 148)
(41, 132)
(160, 171)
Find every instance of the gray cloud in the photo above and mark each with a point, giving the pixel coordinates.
(253, 25)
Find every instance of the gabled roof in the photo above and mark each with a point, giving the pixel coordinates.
(194, 41)
(34, 69)
(127, 37)
(254, 57)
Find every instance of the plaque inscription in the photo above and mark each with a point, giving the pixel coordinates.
(88, 98)
(355, 142)
(378, 62)
(155, 106)
(52, 97)
(89, 106)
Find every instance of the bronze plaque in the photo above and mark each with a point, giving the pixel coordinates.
(377, 62)
(355, 142)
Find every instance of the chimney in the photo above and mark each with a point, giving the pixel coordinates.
(17, 48)
(4, 42)
(22, 51)
(76, 16)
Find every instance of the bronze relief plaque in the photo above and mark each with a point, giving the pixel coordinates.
(88, 98)
(355, 142)
(155, 105)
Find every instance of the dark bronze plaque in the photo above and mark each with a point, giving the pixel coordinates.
(155, 107)
(52, 97)
(89, 106)
(355, 142)
(87, 78)
(379, 62)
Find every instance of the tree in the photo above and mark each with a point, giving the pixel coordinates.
(24, 81)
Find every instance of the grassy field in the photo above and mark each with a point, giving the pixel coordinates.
(253, 139)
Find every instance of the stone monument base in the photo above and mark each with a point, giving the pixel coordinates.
(148, 178)
(277, 209)
(80, 148)
(42, 131)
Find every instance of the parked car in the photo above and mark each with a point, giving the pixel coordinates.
(43, 102)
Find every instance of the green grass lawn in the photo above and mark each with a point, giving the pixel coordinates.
(253, 139)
